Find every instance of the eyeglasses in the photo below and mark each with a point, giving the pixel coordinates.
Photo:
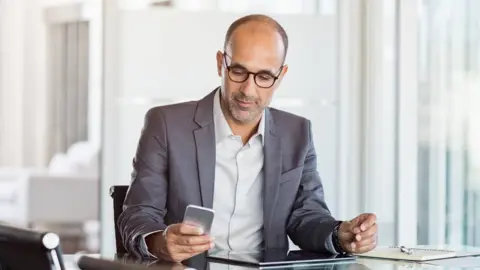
(239, 74)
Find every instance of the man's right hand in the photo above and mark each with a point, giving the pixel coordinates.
(180, 242)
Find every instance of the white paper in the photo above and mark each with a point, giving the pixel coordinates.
(457, 262)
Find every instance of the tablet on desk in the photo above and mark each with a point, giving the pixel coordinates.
(276, 257)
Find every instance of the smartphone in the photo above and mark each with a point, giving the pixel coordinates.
(199, 216)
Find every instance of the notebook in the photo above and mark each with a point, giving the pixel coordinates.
(417, 254)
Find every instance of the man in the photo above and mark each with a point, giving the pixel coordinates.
(254, 165)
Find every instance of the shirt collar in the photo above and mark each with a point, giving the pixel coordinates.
(223, 130)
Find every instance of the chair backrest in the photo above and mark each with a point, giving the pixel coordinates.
(118, 194)
(22, 248)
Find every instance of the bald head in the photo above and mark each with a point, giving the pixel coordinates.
(251, 67)
(256, 25)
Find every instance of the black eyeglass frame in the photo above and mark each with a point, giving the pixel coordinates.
(275, 78)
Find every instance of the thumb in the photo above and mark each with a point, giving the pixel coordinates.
(172, 228)
(347, 227)
(355, 225)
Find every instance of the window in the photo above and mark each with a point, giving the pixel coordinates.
(68, 94)
(448, 122)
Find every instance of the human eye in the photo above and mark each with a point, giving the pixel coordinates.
(265, 77)
(238, 71)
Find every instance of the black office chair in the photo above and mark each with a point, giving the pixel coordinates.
(118, 194)
(22, 248)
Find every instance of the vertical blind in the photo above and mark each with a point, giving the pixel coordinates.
(68, 85)
(449, 130)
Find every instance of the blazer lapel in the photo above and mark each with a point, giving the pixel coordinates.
(272, 172)
(205, 148)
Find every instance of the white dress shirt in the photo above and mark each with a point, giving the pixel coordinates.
(238, 190)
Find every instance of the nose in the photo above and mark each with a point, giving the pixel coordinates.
(248, 88)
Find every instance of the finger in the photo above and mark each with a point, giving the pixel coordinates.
(186, 229)
(193, 240)
(367, 248)
(350, 248)
(194, 249)
(366, 234)
(365, 242)
(369, 221)
(347, 227)
(355, 225)
(353, 247)
(356, 230)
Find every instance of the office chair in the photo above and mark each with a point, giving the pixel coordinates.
(118, 194)
(22, 248)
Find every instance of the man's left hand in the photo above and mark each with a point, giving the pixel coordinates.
(358, 235)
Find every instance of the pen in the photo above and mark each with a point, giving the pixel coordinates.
(406, 250)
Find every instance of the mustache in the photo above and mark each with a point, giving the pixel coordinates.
(243, 98)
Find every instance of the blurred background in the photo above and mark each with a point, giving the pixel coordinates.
(392, 88)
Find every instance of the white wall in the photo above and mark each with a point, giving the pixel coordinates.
(164, 56)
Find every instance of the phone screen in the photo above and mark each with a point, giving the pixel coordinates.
(199, 216)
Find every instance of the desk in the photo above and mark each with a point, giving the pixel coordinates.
(201, 263)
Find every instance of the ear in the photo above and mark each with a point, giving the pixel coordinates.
(219, 63)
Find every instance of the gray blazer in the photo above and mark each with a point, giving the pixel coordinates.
(175, 165)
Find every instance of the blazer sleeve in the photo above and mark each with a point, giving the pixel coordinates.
(144, 208)
(310, 225)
